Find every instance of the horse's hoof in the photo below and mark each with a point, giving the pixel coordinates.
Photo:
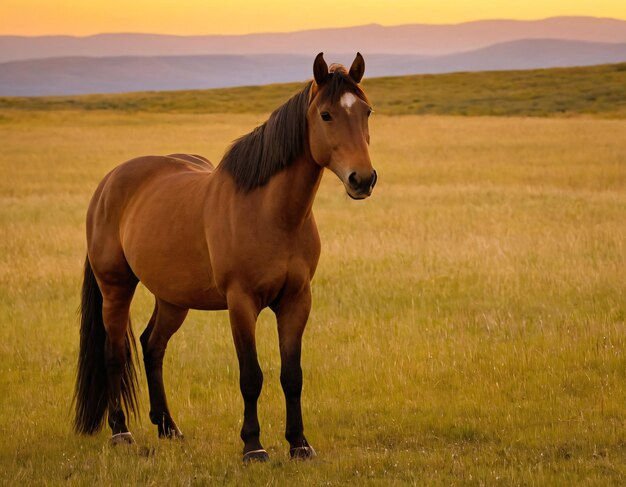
(255, 456)
(302, 453)
(125, 438)
(172, 434)
(176, 435)
(169, 429)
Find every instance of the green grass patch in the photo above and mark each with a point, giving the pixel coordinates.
(598, 91)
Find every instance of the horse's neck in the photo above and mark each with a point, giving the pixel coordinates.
(289, 194)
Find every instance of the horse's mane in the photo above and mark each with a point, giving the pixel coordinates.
(255, 157)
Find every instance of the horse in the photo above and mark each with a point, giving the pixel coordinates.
(240, 237)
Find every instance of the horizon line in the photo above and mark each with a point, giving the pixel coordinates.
(319, 28)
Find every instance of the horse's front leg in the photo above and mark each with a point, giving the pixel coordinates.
(292, 313)
(243, 313)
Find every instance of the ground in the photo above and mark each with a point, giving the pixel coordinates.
(467, 324)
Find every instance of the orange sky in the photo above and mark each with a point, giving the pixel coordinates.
(187, 17)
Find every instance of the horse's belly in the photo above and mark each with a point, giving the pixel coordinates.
(171, 277)
(187, 296)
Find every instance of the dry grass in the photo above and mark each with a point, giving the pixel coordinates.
(468, 321)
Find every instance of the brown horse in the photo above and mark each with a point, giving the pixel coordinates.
(240, 237)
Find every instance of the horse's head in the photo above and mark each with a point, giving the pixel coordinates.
(338, 125)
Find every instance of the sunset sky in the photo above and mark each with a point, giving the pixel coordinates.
(187, 17)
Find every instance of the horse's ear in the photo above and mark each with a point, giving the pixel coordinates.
(320, 69)
(358, 68)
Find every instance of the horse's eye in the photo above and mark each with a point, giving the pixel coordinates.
(326, 116)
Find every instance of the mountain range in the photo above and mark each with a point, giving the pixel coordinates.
(63, 65)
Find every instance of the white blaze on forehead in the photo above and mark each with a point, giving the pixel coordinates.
(347, 100)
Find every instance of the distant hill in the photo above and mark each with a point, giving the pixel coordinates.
(81, 75)
(598, 91)
(421, 39)
(526, 54)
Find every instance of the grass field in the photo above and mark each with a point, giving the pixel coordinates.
(468, 325)
(598, 91)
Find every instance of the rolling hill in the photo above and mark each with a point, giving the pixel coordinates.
(598, 91)
(421, 39)
(81, 75)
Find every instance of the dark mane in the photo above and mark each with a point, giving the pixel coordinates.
(254, 158)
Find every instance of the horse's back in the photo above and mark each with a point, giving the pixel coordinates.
(135, 177)
(194, 159)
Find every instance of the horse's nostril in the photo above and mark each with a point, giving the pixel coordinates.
(354, 180)
(374, 178)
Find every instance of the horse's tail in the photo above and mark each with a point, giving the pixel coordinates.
(91, 392)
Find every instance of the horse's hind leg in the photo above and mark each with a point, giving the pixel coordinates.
(165, 321)
(120, 373)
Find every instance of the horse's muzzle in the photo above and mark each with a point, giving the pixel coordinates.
(360, 186)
